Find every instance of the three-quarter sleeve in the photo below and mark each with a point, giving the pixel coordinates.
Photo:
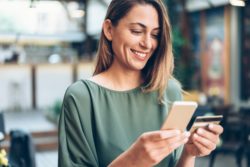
(76, 143)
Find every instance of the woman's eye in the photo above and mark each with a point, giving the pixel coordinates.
(156, 36)
(136, 32)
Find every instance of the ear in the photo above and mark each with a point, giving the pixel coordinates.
(107, 29)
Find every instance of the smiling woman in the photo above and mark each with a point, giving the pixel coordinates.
(113, 118)
(134, 39)
(138, 30)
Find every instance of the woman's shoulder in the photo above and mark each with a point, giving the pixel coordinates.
(174, 90)
(77, 87)
(77, 91)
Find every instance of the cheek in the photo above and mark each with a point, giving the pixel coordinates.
(155, 44)
(115, 48)
(118, 47)
(125, 42)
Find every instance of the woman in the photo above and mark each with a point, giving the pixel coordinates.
(113, 118)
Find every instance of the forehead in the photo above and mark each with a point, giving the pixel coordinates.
(145, 14)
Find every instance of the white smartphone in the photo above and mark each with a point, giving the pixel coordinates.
(180, 114)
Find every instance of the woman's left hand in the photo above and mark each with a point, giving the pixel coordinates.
(203, 141)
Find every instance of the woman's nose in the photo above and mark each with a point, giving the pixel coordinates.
(146, 42)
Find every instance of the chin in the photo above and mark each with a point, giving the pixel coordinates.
(137, 67)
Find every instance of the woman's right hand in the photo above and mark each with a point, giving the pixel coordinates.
(151, 147)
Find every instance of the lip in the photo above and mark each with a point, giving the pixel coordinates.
(139, 55)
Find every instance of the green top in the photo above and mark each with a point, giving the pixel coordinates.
(98, 124)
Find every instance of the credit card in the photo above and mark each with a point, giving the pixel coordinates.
(203, 121)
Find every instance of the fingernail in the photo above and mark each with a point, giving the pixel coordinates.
(195, 136)
(200, 131)
(178, 132)
(210, 126)
(187, 134)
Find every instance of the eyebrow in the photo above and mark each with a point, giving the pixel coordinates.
(143, 26)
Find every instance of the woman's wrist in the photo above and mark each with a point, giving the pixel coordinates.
(123, 160)
(186, 159)
(186, 155)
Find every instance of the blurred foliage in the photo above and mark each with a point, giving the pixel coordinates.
(178, 41)
(3, 158)
(54, 112)
(57, 107)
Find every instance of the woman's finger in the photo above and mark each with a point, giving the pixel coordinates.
(160, 135)
(203, 143)
(201, 150)
(169, 141)
(216, 129)
(162, 152)
(207, 134)
(174, 145)
(165, 147)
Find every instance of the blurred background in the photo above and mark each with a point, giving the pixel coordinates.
(45, 45)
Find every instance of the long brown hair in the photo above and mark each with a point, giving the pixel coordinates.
(159, 68)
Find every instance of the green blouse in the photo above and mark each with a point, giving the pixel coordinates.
(98, 124)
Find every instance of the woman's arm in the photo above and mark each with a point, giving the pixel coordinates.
(76, 143)
(186, 160)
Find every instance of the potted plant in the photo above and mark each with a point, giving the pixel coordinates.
(3, 159)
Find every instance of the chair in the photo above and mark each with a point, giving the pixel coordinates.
(22, 151)
(245, 114)
(248, 146)
(233, 138)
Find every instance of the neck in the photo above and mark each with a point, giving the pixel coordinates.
(123, 79)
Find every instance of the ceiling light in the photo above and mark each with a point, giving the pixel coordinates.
(237, 2)
(77, 13)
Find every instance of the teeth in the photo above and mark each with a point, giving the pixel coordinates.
(142, 55)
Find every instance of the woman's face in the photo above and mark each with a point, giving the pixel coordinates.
(135, 37)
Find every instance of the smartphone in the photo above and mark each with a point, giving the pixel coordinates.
(203, 121)
(180, 114)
